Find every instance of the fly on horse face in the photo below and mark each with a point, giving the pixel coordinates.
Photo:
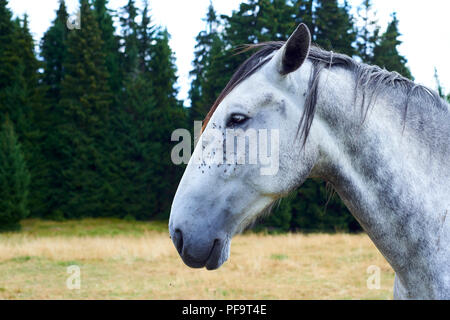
(380, 140)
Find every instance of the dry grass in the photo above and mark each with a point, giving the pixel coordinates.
(145, 265)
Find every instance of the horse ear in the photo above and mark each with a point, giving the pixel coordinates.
(296, 50)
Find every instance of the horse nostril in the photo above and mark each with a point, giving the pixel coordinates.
(178, 239)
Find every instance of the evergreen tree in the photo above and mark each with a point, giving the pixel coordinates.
(53, 52)
(29, 63)
(110, 43)
(280, 219)
(85, 103)
(14, 179)
(164, 71)
(304, 13)
(20, 97)
(11, 69)
(133, 186)
(146, 34)
(22, 94)
(214, 79)
(145, 178)
(317, 209)
(132, 125)
(208, 50)
(240, 27)
(385, 53)
(31, 102)
(368, 33)
(114, 187)
(8, 58)
(334, 27)
(274, 20)
(258, 21)
(169, 115)
(129, 41)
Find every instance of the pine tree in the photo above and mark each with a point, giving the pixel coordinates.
(145, 178)
(129, 41)
(385, 53)
(85, 102)
(114, 187)
(110, 43)
(20, 97)
(164, 71)
(134, 158)
(8, 59)
(22, 93)
(317, 209)
(256, 21)
(53, 52)
(11, 69)
(334, 27)
(209, 50)
(14, 179)
(368, 33)
(132, 125)
(169, 114)
(260, 20)
(30, 64)
(145, 34)
(31, 102)
(304, 13)
(214, 78)
(280, 218)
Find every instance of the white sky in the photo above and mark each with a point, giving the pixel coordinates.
(425, 27)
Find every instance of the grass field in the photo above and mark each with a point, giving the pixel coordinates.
(136, 260)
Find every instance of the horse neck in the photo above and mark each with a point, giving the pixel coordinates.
(389, 178)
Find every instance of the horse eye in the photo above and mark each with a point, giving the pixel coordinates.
(236, 119)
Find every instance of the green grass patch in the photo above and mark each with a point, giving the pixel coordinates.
(21, 259)
(89, 227)
(278, 257)
(68, 263)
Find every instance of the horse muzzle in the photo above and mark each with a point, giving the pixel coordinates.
(198, 250)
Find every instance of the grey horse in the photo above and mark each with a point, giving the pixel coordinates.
(380, 140)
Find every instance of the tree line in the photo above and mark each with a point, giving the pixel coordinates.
(86, 120)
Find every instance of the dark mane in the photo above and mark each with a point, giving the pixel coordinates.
(371, 80)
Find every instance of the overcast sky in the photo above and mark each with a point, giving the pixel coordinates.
(425, 29)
